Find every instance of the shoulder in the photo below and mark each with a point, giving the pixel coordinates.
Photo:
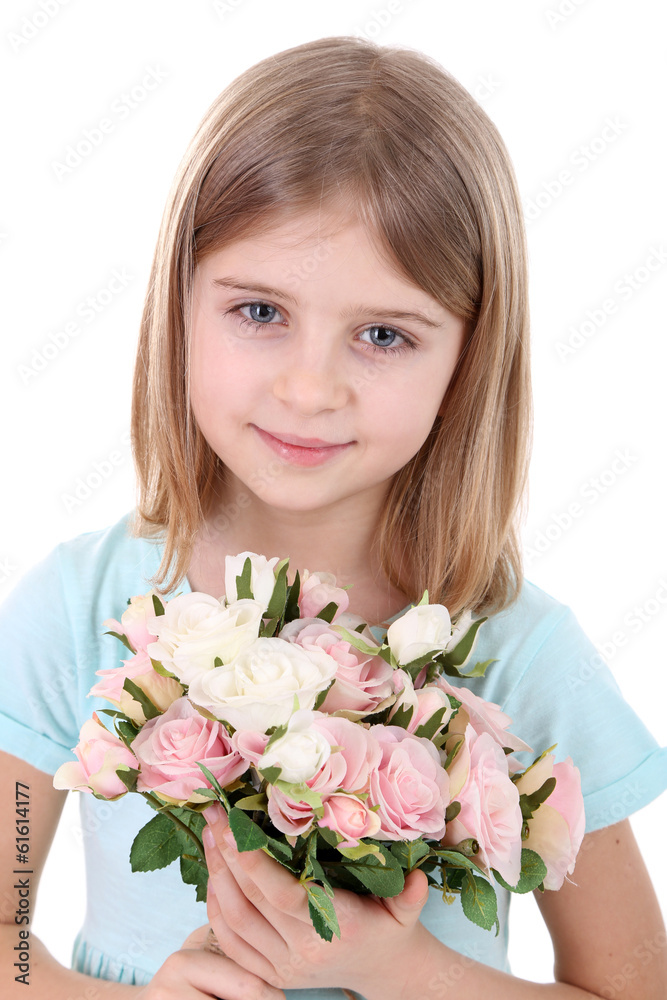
(536, 628)
(93, 572)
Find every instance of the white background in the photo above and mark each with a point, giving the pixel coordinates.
(551, 75)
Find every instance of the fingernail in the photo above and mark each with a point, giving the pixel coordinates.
(228, 837)
(216, 816)
(208, 838)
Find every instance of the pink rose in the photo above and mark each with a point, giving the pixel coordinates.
(169, 747)
(557, 827)
(133, 620)
(318, 590)
(485, 716)
(290, 817)
(99, 753)
(410, 786)
(490, 811)
(354, 755)
(351, 764)
(362, 683)
(351, 818)
(162, 691)
(425, 702)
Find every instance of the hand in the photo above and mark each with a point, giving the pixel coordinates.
(259, 913)
(193, 972)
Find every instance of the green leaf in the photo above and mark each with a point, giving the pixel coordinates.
(322, 695)
(126, 730)
(252, 803)
(278, 847)
(533, 872)
(457, 656)
(381, 879)
(478, 899)
(150, 710)
(276, 605)
(162, 671)
(455, 859)
(409, 852)
(322, 912)
(158, 606)
(123, 638)
(243, 588)
(530, 803)
(193, 872)
(215, 783)
(268, 629)
(156, 845)
(248, 836)
(402, 716)
(477, 671)
(454, 878)
(327, 612)
(270, 774)
(128, 775)
(362, 850)
(292, 603)
(429, 728)
(207, 793)
(355, 640)
(276, 735)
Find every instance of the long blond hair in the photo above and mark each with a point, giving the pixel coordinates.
(391, 131)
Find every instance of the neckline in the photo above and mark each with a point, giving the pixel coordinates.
(157, 548)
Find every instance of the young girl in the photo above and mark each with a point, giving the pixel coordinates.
(333, 366)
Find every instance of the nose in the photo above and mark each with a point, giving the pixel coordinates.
(311, 378)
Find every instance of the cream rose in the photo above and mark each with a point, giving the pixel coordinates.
(426, 628)
(258, 688)
(301, 752)
(196, 628)
(262, 576)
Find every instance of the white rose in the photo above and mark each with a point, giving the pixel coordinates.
(301, 752)
(424, 629)
(196, 628)
(257, 689)
(262, 577)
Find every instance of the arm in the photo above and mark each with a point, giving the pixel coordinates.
(607, 925)
(188, 974)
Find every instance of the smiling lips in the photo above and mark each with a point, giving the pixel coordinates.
(301, 451)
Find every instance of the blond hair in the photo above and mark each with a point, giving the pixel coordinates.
(391, 131)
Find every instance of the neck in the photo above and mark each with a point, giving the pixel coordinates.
(339, 539)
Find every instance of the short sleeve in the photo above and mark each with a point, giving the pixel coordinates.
(569, 696)
(38, 669)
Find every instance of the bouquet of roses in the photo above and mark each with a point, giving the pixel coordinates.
(349, 761)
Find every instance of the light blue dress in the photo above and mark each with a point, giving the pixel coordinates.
(549, 678)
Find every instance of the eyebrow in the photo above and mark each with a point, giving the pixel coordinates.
(236, 283)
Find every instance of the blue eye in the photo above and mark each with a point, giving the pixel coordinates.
(261, 320)
(383, 339)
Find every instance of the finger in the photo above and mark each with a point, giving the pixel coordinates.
(265, 881)
(407, 906)
(243, 932)
(201, 972)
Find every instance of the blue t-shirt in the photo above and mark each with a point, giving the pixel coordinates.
(549, 678)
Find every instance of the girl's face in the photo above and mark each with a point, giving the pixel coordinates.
(316, 371)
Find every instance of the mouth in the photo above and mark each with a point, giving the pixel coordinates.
(301, 451)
